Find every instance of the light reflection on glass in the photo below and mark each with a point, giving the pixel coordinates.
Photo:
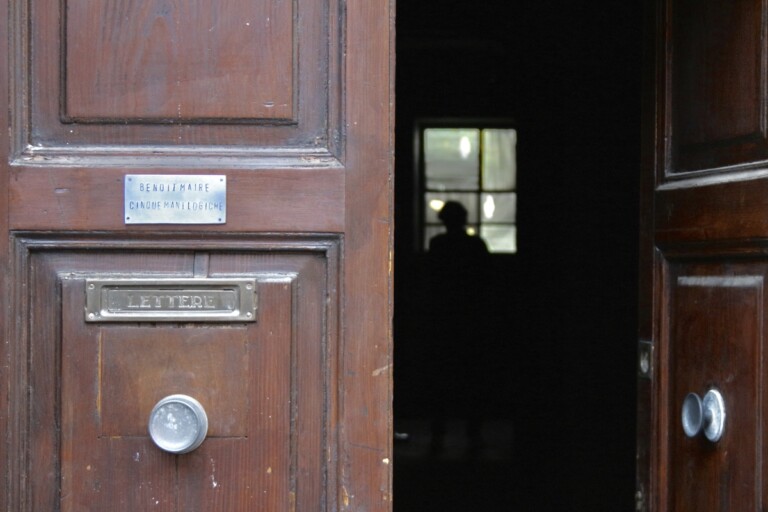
(489, 206)
(436, 204)
(465, 147)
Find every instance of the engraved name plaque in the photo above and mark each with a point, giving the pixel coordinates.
(175, 199)
(170, 300)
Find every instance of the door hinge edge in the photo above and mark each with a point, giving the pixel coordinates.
(645, 359)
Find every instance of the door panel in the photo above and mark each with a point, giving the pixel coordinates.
(717, 94)
(716, 341)
(144, 42)
(705, 227)
(265, 385)
(120, 75)
(291, 102)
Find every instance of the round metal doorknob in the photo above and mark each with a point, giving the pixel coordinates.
(704, 415)
(178, 424)
(692, 415)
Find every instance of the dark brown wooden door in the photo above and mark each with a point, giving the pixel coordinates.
(705, 257)
(289, 103)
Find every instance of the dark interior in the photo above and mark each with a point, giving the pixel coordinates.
(556, 340)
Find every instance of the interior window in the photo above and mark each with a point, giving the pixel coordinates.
(476, 166)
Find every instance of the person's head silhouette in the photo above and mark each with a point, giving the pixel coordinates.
(456, 242)
(453, 215)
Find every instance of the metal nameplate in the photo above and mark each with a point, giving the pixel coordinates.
(170, 300)
(175, 199)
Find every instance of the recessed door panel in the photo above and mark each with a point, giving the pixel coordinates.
(238, 74)
(264, 385)
(714, 95)
(215, 77)
(716, 342)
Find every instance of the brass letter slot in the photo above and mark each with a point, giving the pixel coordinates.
(170, 300)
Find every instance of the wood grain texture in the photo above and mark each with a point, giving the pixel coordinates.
(716, 340)
(309, 213)
(178, 67)
(139, 366)
(277, 461)
(272, 201)
(704, 241)
(713, 211)
(366, 359)
(715, 101)
(123, 74)
(716, 86)
(8, 469)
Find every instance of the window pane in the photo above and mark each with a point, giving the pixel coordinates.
(499, 159)
(451, 158)
(434, 201)
(499, 207)
(499, 238)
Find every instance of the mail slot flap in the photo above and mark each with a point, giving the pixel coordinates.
(171, 300)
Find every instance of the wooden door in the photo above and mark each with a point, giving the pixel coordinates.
(705, 258)
(269, 302)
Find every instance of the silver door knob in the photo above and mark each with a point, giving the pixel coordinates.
(178, 424)
(704, 415)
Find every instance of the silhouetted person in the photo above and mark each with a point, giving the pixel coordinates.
(456, 243)
(456, 343)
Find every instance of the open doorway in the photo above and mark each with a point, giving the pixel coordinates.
(557, 332)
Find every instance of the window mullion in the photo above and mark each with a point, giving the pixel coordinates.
(480, 179)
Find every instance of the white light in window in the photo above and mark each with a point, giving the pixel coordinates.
(471, 231)
(489, 206)
(465, 147)
(436, 204)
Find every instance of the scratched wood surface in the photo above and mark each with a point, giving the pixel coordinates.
(139, 366)
(234, 73)
(716, 340)
(298, 114)
(266, 387)
(186, 60)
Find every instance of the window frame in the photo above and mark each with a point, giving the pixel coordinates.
(420, 188)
